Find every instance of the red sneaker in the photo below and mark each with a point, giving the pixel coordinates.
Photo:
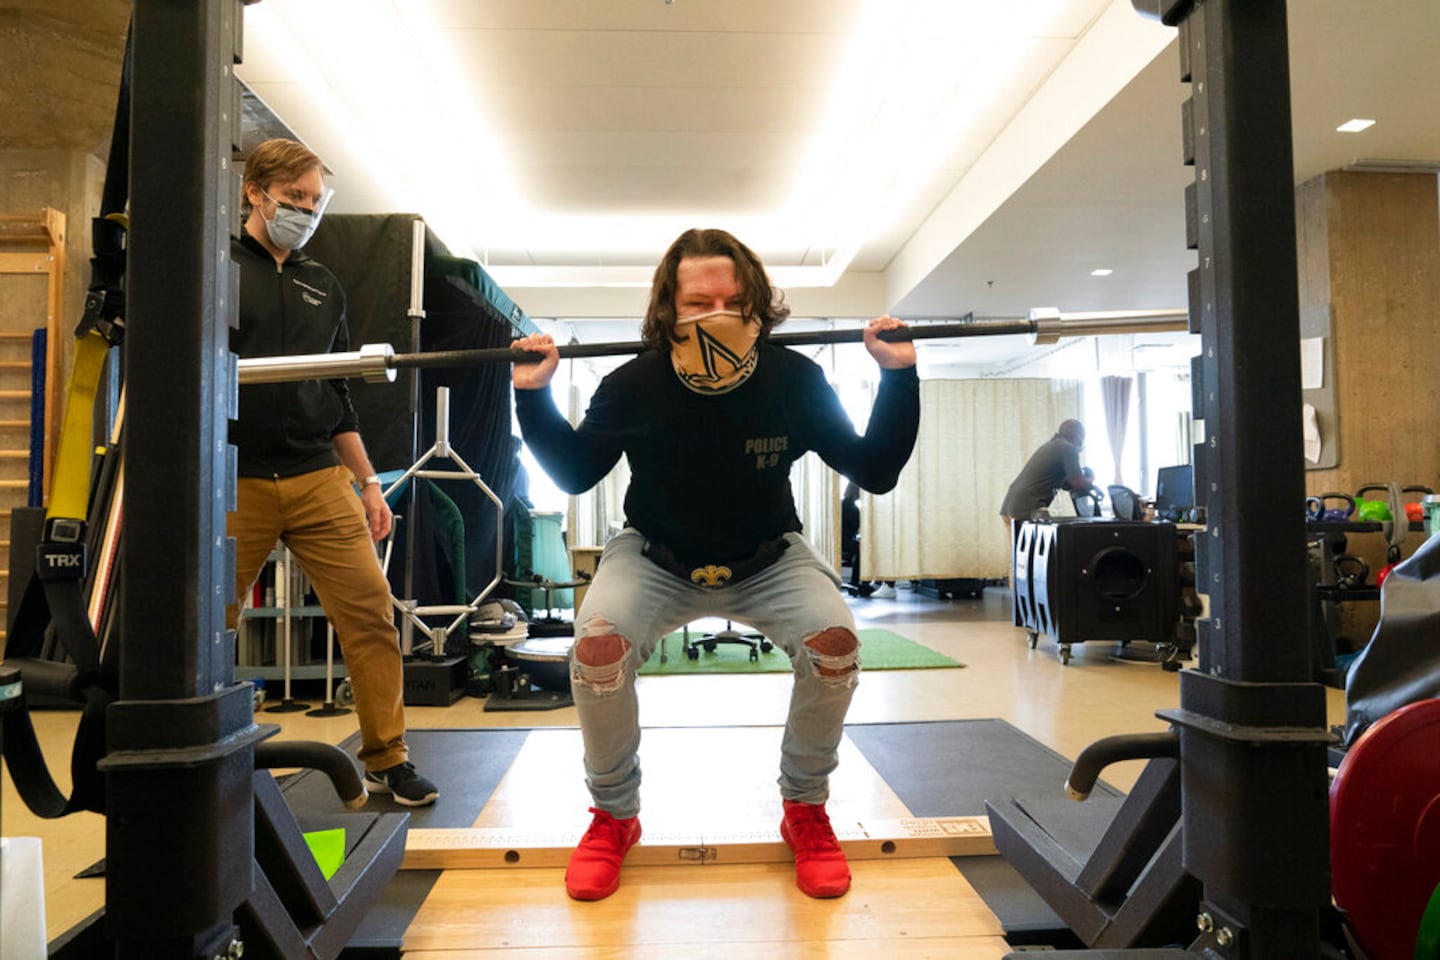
(594, 870)
(820, 867)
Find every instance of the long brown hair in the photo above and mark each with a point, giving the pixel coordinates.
(278, 161)
(763, 303)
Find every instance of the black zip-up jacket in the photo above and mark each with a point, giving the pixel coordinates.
(297, 307)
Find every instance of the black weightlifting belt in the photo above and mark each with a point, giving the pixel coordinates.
(713, 576)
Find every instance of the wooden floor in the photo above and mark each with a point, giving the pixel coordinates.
(909, 909)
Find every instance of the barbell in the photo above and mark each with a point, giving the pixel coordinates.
(378, 362)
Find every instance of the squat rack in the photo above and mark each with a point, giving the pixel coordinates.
(1252, 726)
(1248, 743)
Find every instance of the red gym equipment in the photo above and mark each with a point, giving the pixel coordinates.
(1385, 835)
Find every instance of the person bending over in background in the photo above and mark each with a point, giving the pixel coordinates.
(711, 416)
(1054, 465)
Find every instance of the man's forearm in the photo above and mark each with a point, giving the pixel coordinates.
(351, 451)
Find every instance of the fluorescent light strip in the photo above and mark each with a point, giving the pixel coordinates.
(1354, 126)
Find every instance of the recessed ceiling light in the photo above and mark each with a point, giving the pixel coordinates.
(1354, 126)
(1102, 272)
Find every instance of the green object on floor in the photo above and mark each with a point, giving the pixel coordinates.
(328, 846)
(879, 650)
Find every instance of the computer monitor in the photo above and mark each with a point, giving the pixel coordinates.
(1174, 492)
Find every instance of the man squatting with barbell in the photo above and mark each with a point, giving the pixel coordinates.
(711, 416)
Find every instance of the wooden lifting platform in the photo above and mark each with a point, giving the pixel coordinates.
(490, 848)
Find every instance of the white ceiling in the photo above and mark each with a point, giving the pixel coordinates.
(564, 143)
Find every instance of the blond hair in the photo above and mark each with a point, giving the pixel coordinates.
(278, 161)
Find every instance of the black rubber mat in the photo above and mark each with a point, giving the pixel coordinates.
(950, 768)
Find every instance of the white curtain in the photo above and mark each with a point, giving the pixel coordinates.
(817, 499)
(1115, 396)
(942, 519)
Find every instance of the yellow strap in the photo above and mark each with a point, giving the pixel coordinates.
(70, 489)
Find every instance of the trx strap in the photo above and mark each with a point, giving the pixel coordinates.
(60, 555)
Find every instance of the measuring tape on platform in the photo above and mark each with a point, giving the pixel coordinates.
(481, 848)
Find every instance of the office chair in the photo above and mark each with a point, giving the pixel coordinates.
(1126, 503)
(755, 641)
(1087, 504)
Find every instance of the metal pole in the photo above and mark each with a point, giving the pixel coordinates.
(379, 361)
(416, 313)
(283, 580)
(179, 824)
(372, 361)
(1252, 725)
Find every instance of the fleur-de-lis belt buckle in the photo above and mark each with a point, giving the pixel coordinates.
(710, 575)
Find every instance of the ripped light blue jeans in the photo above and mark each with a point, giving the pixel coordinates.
(794, 600)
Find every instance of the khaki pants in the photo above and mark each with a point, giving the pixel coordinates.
(319, 517)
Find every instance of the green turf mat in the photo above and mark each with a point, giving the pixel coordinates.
(879, 650)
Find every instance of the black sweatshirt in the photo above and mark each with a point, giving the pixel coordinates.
(710, 475)
(297, 307)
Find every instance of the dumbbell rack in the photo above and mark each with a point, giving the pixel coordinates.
(1330, 592)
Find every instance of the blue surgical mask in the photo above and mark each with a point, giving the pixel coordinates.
(292, 227)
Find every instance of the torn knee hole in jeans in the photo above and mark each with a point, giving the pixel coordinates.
(600, 656)
(835, 653)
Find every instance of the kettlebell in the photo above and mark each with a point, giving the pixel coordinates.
(1373, 511)
(1316, 509)
(1350, 571)
(1415, 512)
(1383, 573)
(1392, 557)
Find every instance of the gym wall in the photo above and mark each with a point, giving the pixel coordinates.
(1369, 249)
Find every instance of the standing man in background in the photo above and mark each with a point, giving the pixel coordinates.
(300, 455)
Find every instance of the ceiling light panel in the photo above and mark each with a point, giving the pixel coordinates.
(808, 128)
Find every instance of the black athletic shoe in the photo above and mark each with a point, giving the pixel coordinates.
(404, 784)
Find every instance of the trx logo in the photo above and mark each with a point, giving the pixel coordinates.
(767, 450)
(60, 561)
(710, 575)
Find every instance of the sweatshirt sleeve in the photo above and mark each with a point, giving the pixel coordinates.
(575, 458)
(874, 460)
